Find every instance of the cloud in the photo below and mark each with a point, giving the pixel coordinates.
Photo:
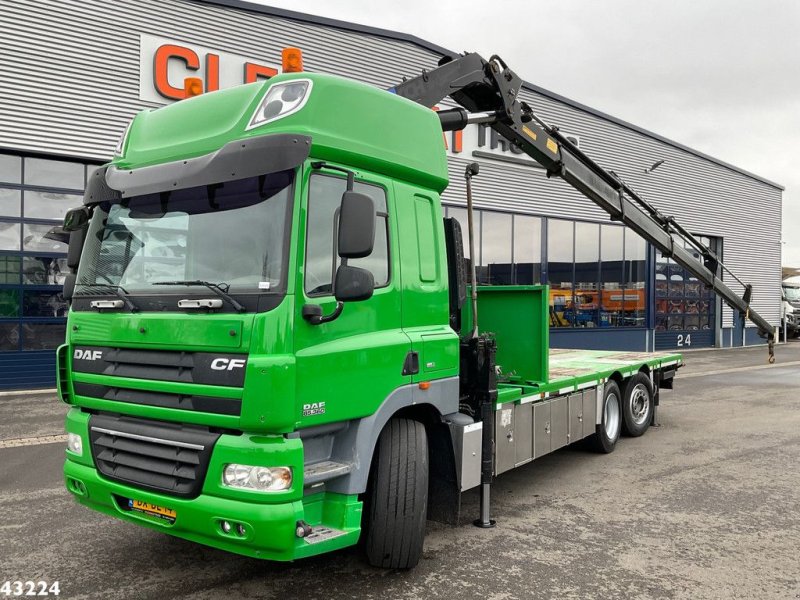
(718, 75)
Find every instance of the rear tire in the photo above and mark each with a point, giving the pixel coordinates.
(397, 500)
(607, 432)
(637, 405)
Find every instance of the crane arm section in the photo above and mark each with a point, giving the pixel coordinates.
(488, 92)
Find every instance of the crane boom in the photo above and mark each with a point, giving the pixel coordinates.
(488, 92)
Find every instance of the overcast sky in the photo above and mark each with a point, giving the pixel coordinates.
(721, 76)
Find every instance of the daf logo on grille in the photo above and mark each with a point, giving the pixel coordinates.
(227, 364)
(88, 354)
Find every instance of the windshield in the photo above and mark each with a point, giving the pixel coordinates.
(792, 294)
(232, 234)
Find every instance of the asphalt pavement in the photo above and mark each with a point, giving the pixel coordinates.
(705, 506)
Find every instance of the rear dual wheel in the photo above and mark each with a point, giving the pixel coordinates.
(607, 431)
(637, 405)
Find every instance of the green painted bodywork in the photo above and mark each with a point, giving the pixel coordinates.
(517, 316)
(349, 122)
(352, 364)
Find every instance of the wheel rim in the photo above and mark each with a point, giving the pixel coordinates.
(611, 421)
(639, 404)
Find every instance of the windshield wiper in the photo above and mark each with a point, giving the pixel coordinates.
(214, 287)
(119, 291)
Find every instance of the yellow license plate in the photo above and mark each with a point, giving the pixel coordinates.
(153, 510)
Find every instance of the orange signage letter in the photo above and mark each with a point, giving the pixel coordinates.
(161, 69)
(458, 141)
(252, 72)
(212, 72)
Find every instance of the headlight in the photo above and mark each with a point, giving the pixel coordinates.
(260, 479)
(75, 444)
(282, 100)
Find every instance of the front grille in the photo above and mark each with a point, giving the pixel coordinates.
(154, 455)
(210, 368)
(209, 404)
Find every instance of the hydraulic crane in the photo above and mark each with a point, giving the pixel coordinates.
(488, 91)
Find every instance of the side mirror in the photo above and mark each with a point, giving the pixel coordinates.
(353, 284)
(76, 241)
(58, 234)
(69, 286)
(77, 218)
(356, 226)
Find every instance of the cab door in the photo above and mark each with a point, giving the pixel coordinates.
(347, 367)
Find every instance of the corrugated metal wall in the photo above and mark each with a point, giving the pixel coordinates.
(69, 74)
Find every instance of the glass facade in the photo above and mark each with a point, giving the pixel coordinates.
(600, 280)
(35, 193)
(682, 302)
(561, 270)
(508, 246)
(596, 272)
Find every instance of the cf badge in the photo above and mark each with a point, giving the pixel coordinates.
(227, 364)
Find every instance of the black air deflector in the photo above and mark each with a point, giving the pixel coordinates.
(164, 457)
(239, 159)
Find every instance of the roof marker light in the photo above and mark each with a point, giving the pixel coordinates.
(192, 86)
(292, 60)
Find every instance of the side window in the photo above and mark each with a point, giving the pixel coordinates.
(324, 198)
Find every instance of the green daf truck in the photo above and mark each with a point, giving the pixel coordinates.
(275, 346)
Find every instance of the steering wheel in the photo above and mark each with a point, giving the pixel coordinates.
(319, 286)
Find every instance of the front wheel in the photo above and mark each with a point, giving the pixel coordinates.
(607, 431)
(397, 499)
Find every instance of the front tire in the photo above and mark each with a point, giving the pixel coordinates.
(397, 500)
(637, 405)
(607, 432)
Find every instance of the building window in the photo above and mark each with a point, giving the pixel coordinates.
(10, 168)
(496, 249)
(586, 308)
(35, 193)
(560, 270)
(635, 274)
(527, 250)
(61, 174)
(596, 273)
(324, 199)
(10, 202)
(682, 302)
(509, 246)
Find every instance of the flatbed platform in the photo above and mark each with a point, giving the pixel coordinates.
(574, 370)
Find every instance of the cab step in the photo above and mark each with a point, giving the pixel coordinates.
(323, 471)
(322, 534)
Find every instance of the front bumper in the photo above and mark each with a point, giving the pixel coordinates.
(269, 528)
(268, 521)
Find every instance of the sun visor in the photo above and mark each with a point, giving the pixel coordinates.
(238, 159)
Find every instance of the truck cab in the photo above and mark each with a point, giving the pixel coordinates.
(253, 266)
(790, 309)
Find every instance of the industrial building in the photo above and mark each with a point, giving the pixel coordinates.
(72, 74)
